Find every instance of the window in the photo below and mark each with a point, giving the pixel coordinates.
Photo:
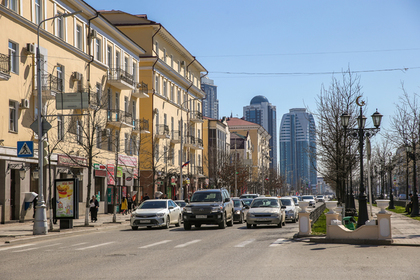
(157, 48)
(117, 101)
(79, 132)
(126, 141)
(13, 116)
(60, 77)
(126, 64)
(109, 56)
(165, 119)
(117, 141)
(13, 55)
(172, 93)
(98, 137)
(117, 60)
(157, 84)
(126, 103)
(165, 88)
(38, 11)
(134, 111)
(178, 66)
(109, 141)
(13, 5)
(79, 37)
(60, 28)
(60, 127)
(134, 71)
(164, 55)
(98, 93)
(179, 97)
(98, 49)
(172, 61)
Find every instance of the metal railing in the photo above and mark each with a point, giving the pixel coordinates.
(141, 124)
(176, 135)
(51, 83)
(316, 213)
(162, 129)
(116, 115)
(196, 115)
(4, 63)
(120, 74)
(191, 140)
(199, 142)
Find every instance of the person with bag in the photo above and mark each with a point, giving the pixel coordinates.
(94, 205)
(124, 206)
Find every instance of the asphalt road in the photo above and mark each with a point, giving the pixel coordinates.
(265, 252)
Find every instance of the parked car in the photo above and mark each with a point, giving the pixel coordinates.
(211, 207)
(292, 211)
(239, 206)
(156, 212)
(265, 210)
(310, 199)
(320, 198)
(249, 195)
(181, 204)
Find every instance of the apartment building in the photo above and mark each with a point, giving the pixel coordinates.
(174, 75)
(91, 98)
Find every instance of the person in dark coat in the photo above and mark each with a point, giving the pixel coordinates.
(130, 203)
(94, 205)
(35, 201)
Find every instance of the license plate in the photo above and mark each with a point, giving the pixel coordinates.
(201, 216)
(145, 221)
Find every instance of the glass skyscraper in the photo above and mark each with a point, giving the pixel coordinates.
(210, 102)
(297, 143)
(260, 111)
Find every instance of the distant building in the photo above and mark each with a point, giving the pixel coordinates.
(210, 102)
(298, 150)
(260, 111)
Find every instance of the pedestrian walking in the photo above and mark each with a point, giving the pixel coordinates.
(35, 201)
(124, 206)
(130, 203)
(94, 206)
(146, 197)
(409, 206)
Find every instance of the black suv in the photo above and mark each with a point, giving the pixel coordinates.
(210, 207)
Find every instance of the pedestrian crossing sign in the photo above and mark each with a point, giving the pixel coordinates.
(25, 148)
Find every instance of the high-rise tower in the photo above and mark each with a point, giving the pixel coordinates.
(260, 111)
(210, 102)
(297, 142)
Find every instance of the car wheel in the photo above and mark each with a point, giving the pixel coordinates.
(248, 225)
(179, 221)
(168, 221)
(222, 224)
(134, 228)
(230, 223)
(187, 226)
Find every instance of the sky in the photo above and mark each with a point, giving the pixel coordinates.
(287, 50)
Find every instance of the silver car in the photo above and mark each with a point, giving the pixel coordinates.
(310, 199)
(292, 211)
(156, 212)
(265, 210)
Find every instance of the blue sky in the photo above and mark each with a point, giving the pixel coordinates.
(289, 37)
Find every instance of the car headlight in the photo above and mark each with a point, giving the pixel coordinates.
(160, 214)
(216, 209)
(187, 210)
(237, 212)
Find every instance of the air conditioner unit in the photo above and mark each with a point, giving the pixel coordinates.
(30, 48)
(77, 76)
(24, 104)
(93, 34)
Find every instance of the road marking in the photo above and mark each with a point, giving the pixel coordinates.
(74, 245)
(155, 244)
(34, 248)
(94, 246)
(243, 244)
(188, 243)
(278, 242)
(15, 247)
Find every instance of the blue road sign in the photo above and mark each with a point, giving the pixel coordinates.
(25, 148)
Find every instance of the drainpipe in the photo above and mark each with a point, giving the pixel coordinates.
(90, 51)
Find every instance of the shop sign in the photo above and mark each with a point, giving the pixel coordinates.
(119, 172)
(110, 174)
(71, 161)
(128, 179)
(100, 170)
(127, 161)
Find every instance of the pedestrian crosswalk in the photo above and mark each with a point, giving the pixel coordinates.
(176, 244)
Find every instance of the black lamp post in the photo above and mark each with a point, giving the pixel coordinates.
(361, 132)
(391, 195)
(350, 205)
(411, 152)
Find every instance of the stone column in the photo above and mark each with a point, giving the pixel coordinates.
(304, 220)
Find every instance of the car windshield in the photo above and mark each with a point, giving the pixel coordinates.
(247, 201)
(257, 203)
(153, 205)
(206, 197)
(320, 196)
(237, 203)
(308, 197)
(286, 202)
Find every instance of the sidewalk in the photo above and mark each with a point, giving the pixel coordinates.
(405, 231)
(15, 231)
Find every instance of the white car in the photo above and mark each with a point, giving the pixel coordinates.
(265, 210)
(292, 211)
(320, 198)
(156, 212)
(310, 199)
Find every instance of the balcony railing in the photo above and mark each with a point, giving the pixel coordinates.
(4, 67)
(175, 136)
(120, 78)
(162, 131)
(50, 86)
(120, 118)
(141, 90)
(196, 116)
(141, 126)
(190, 141)
(199, 142)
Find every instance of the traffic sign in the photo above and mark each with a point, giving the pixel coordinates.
(45, 126)
(25, 148)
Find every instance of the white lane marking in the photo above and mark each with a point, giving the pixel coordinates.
(188, 243)
(278, 242)
(34, 248)
(94, 246)
(15, 247)
(74, 245)
(243, 244)
(155, 244)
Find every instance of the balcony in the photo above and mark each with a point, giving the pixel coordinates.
(175, 137)
(141, 126)
(4, 67)
(197, 171)
(162, 131)
(120, 79)
(196, 117)
(190, 142)
(141, 90)
(51, 85)
(120, 119)
(199, 142)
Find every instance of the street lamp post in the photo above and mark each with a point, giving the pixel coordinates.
(411, 152)
(40, 223)
(391, 195)
(361, 133)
